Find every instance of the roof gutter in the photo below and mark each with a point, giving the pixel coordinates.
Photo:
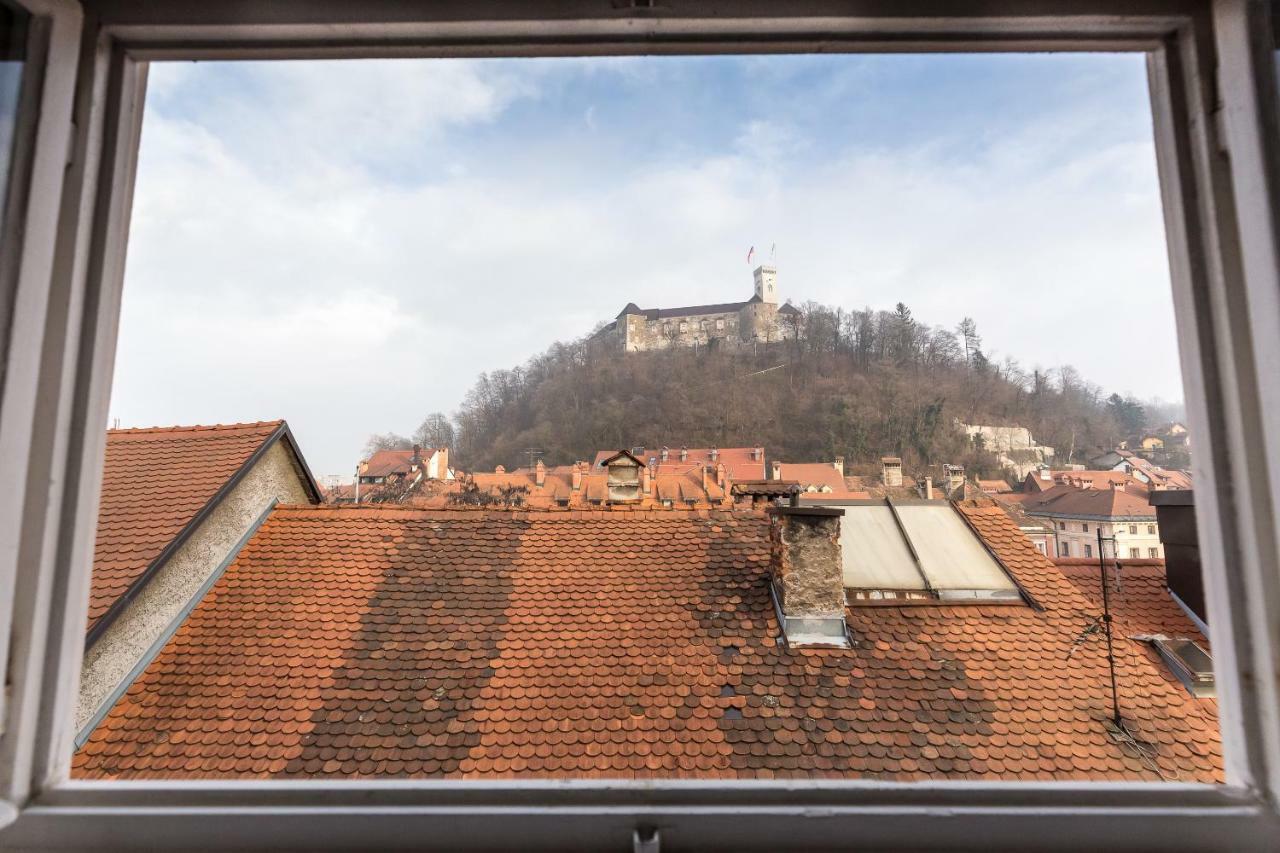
(117, 607)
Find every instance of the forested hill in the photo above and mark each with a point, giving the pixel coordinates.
(859, 384)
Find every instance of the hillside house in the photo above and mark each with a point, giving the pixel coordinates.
(177, 504)
(385, 466)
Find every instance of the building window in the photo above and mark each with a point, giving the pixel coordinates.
(1135, 553)
(1062, 525)
(1133, 529)
(1084, 528)
(1066, 549)
(1153, 553)
(1088, 550)
(1040, 547)
(1151, 529)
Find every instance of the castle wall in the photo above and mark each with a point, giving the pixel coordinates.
(643, 335)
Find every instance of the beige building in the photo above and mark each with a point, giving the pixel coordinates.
(177, 505)
(1077, 515)
(758, 320)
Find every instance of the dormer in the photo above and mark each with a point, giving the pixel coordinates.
(624, 477)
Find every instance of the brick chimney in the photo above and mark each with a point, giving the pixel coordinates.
(807, 574)
(647, 478)
(839, 465)
(777, 470)
(891, 470)
(416, 458)
(442, 464)
(539, 474)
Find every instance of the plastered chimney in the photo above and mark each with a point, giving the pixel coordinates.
(891, 470)
(720, 475)
(928, 488)
(665, 453)
(839, 465)
(684, 454)
(576, 481)
(777, 470)
(715, 454)
(807, 574)
(540, 473)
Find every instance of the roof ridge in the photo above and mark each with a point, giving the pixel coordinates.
(194, 427)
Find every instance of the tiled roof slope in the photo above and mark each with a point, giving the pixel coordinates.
(1138, 595)
(1090, 503)
(396, 642)
(154, 482)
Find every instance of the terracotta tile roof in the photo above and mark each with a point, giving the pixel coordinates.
(384, 463)
(995, 487)
(1090, 503)
(1139, 596)
(816, 474)
(738, 461)
(368, 642)
(154, 483)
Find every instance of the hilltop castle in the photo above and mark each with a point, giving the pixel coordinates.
(759, 319)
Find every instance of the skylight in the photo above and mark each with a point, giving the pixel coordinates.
(916, 551)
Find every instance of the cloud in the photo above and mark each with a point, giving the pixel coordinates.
(347, 245)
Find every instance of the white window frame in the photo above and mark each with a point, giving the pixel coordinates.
(1213, 90)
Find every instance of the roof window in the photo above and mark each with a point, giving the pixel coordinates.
(917, 551)
(1191, 664)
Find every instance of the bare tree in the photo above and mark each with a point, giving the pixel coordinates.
(435, 431)
(386, 441)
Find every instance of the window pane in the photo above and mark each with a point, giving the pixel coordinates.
(874, 553)
(952, 556)
(12, 56)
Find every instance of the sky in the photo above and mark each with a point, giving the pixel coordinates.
(348, 244)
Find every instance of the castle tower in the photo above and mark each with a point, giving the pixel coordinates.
(767, 284)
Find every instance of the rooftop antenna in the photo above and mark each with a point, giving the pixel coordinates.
(1106, 623)
(534, 453)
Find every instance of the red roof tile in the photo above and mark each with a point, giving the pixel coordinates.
(154, 483)
(370, 642)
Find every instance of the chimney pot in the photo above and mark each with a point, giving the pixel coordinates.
(807, 574)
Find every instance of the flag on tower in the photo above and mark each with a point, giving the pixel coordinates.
(750, 252)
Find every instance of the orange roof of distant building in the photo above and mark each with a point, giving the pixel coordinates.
(1107, 503)
(741, 463)
(481, 644)
(156, 482)
(995, 487)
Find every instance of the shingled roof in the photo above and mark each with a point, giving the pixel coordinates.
(156, 483)
(373, 642)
